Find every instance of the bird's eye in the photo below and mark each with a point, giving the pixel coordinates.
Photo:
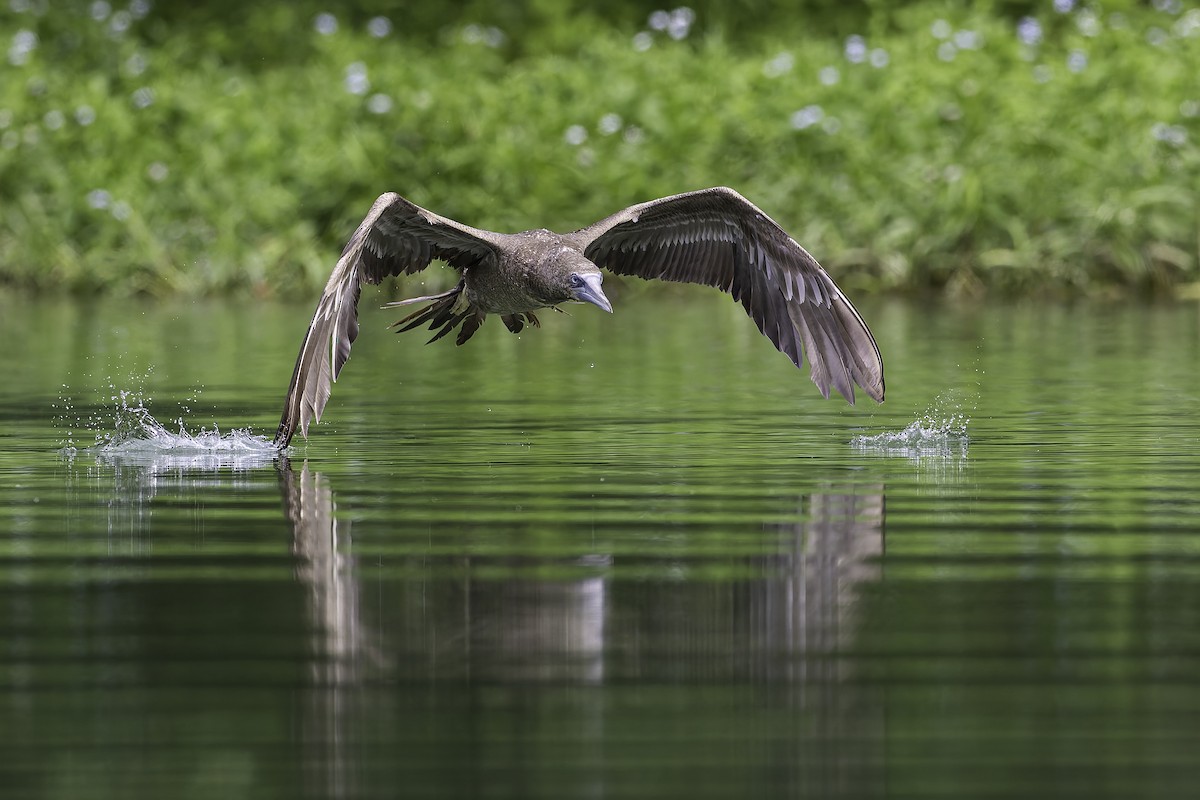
(576, 281)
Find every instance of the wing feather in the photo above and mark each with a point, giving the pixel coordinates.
(396, 237)
(718, 238)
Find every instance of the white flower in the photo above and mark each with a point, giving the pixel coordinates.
(609, 124)
(575, 135)
(807, 117)
(1029, 31)
(356, 81)
(855, 49)
(379, 27)
(325, 24)
(99, 198)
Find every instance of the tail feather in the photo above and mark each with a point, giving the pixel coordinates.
(447, 311)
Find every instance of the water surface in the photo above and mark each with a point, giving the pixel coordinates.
(634, 555)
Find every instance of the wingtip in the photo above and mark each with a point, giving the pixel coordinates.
(283, 437)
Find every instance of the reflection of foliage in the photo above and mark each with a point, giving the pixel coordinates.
(174, 151)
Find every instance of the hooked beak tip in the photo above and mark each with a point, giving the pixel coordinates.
(591, 292)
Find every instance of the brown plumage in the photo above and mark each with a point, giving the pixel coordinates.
(713, 237)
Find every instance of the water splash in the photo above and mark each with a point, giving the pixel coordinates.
(940, 432)
(130, 434)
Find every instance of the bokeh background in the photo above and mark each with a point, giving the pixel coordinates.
(1013, 147)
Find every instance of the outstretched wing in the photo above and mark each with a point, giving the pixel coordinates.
(716, 237)
(396, 237)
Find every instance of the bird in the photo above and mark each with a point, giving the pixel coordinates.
(714, 237)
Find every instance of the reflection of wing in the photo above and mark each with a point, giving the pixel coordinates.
(822, 566)
(395, 237)
(344, 649)
(716, 237)
(308, 504)
(325, 567)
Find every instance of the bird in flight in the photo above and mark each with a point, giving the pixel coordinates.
(714, 237)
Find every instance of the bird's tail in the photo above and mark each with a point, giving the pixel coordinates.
(447, 311)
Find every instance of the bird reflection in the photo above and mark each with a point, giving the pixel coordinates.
(810, 606)
(498, 619)
(448, 622)
(325, 567)
(542, 630)
(538, 629)
(519, 618)
(344, 651)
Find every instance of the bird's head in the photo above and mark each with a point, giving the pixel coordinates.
(584, 286)
(566, 274)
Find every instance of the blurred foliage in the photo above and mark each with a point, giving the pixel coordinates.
(909, 146)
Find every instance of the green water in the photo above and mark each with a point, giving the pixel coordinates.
(621, 556)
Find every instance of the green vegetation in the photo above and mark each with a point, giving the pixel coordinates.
(168, 151)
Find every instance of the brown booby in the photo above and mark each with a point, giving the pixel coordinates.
(713, 237)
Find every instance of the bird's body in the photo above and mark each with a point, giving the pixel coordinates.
(713, 237)
(528, 272)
